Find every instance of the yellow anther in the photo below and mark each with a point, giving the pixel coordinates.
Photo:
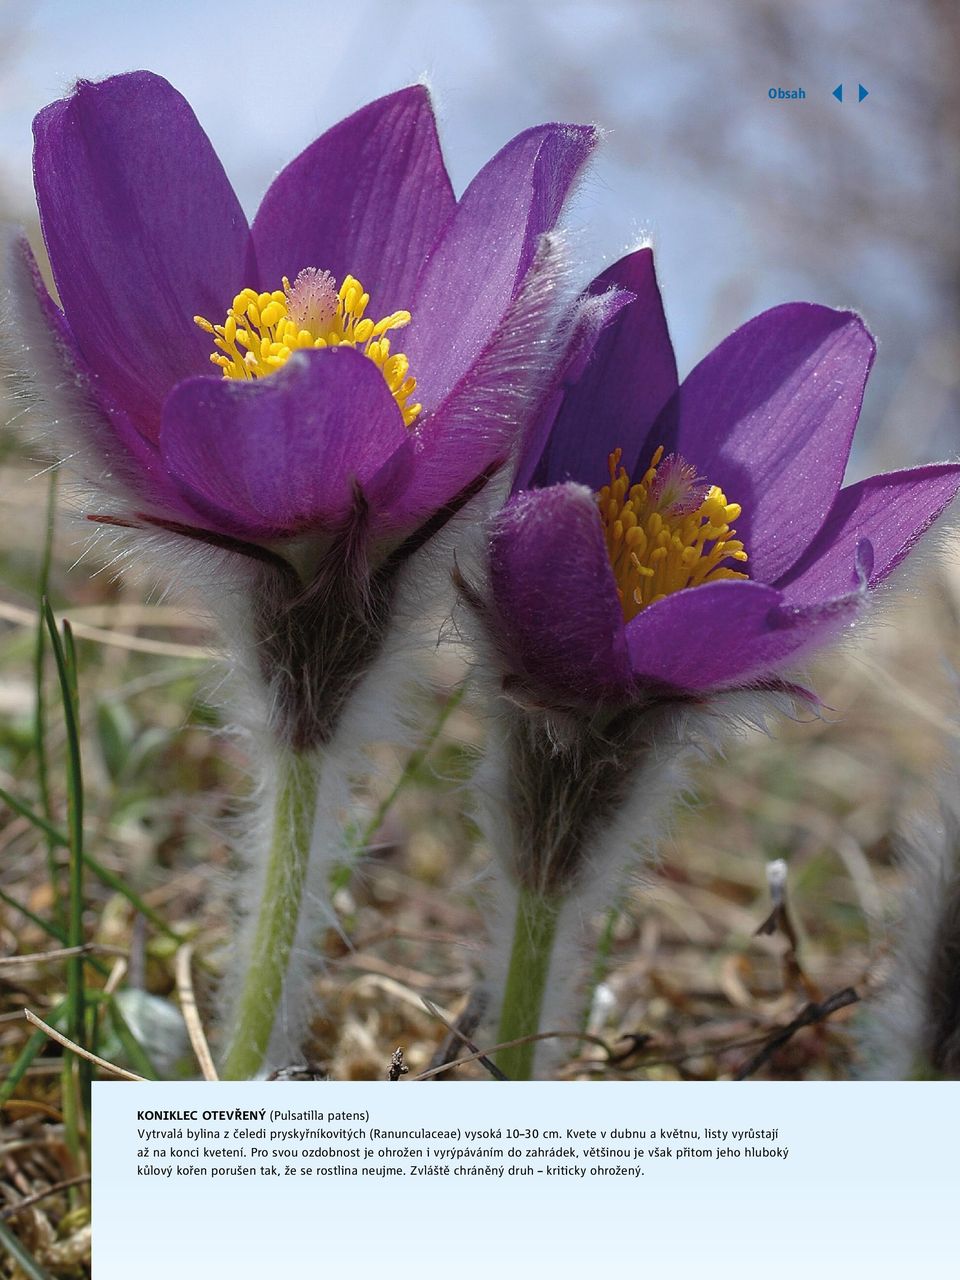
(667, 533)
(273, 312)
(262, 330)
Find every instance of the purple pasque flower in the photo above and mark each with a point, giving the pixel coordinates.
(314, 439)
(144, 232)
(696, 538)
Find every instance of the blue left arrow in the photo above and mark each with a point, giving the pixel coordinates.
(838, 93)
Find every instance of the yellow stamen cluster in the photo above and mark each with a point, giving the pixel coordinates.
(666, 534)
(263, 330)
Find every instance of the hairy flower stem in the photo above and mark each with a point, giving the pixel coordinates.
(276, 924)
(526, 983)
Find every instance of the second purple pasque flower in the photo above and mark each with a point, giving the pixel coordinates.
(695, 538)
(667, 552)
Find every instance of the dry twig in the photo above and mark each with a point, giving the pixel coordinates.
(61, 953)
(12, 1210)
(472, 1015)
(511, 1044)
(191, 1015)
(811, 1014)
(79, 1050)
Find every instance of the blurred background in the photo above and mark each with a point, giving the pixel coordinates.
(749, 201)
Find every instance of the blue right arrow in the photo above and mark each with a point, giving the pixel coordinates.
(861, 92)
(838, 93)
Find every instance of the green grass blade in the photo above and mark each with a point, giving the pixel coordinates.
(27, 1055)
(49, 830)
(104, 874)
(49, 927)
(19, 1068)
(65, 657)
(140, 1060)
(138, 1055)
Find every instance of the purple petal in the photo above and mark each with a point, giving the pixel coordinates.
(89, 425)
(769, 417)
(368, 198)
(593, 313)
(886, 515)
(628, 380)
(555, 596)
(726, 634)
(480, 261)
(143, 231)
(273, 457)
(473, 433)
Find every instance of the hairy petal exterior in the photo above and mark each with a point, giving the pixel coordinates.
(143, 231)
(623, 387)
(474, 432)
(557, 610)
(465, 290)
(63, 397)
(591, 314)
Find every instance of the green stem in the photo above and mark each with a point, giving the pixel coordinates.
(526, 985)
(276, 925)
